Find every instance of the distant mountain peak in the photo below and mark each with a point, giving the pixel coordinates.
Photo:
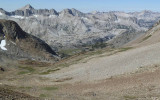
(1, 9)
(28, 6)
(95, 12)
(72, 11)
(146, 11)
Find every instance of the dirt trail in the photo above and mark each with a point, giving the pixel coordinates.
(104, 67)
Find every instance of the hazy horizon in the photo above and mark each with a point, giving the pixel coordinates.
(85, 6)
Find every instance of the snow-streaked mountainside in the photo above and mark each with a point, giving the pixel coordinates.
(71, 27)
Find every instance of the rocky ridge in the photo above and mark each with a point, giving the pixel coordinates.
(15, 43)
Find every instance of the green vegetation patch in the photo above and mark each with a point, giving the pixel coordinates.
(146, 38)
(64, 79)
(127, 97)
(124, 49)
(22, 72)
(34, 63)
(25, 87)
(99, 45)
(51, 88)
(26, 70)
(43, 95)
(49, 71)
(64, 65)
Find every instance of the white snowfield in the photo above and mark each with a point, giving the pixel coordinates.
(3, 44)
(18, 17)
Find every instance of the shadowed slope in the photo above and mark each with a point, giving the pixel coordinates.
(23, 44)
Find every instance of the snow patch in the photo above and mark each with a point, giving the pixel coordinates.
(52, 16)
(19, 17)
(84, 18)
(36, 16)
(1, 14)
(118, 21)
(3, 44)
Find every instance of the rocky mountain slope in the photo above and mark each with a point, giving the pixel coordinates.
(151, 37)
(15, 43)
(6, 94)
(71, 28)
(138, 54)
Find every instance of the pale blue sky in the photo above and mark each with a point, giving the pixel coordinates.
(85, 5)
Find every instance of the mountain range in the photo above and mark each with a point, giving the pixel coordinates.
(72, 28)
